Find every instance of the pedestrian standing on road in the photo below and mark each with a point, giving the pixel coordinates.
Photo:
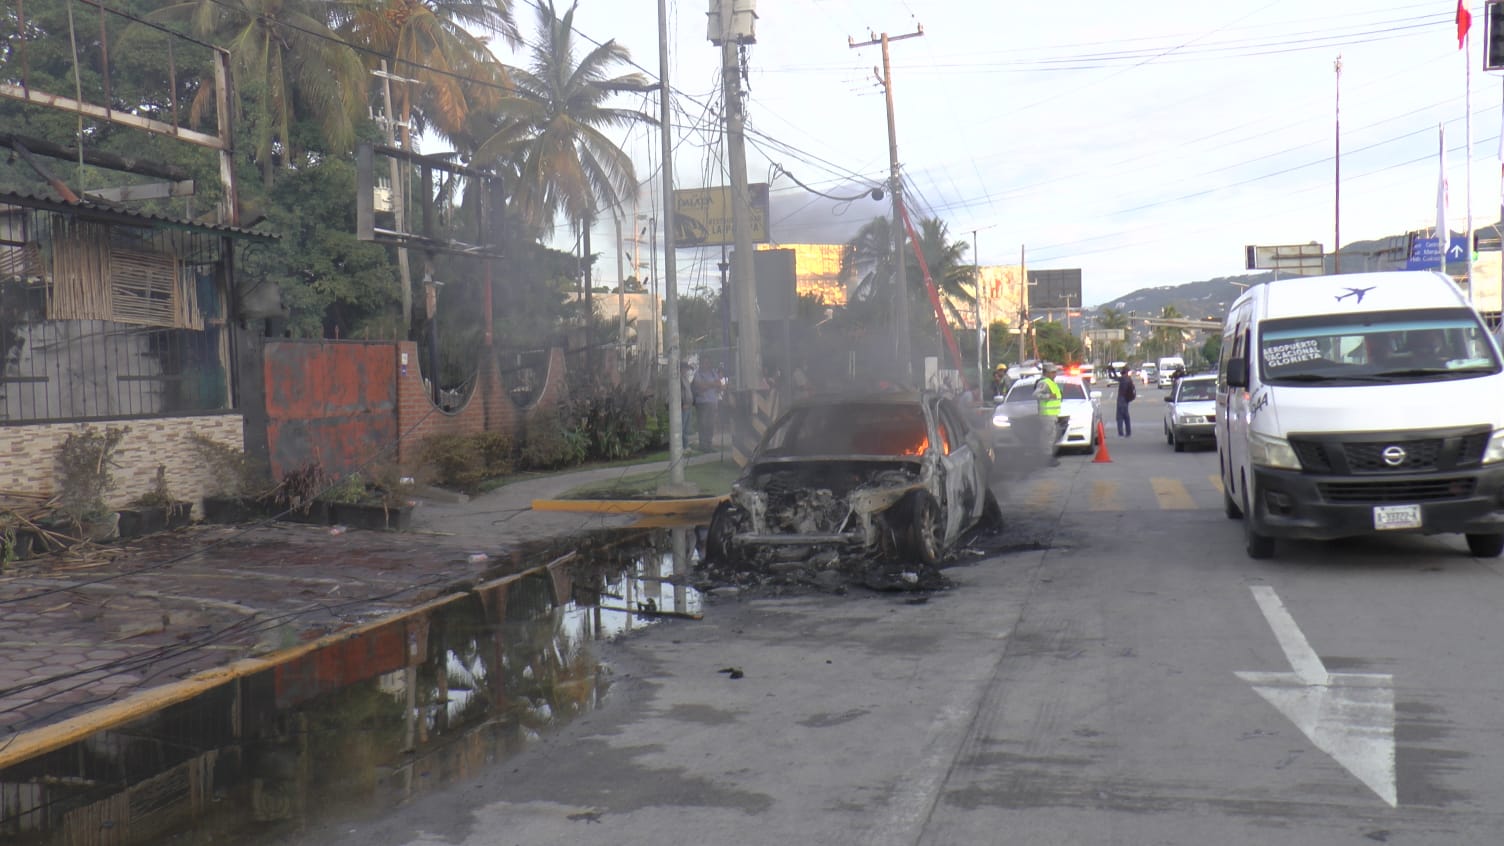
(686, 397)
(707, 393)
(1047, 394)
(1126, 393)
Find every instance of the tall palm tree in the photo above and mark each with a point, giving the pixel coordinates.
(868, 259)
(551, 133)
(1113, 318)
(946, 260)
(288, 64)
(439, 43)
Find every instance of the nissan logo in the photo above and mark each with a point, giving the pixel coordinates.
(1394, 455)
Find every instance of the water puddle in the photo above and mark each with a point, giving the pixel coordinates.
(398, 708)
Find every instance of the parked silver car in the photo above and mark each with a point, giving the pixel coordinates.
(1191, 411)
(882, 475)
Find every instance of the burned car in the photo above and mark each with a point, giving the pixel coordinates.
(887, 475)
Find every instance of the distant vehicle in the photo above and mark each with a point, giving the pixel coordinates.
(1166, 368)
(1149, 372)
(1015, 423)
(1087, 372)
(1117, 368)
(884, 475)
(1191, 412)
(1345, 414)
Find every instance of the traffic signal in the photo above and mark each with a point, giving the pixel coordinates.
(1493, 36)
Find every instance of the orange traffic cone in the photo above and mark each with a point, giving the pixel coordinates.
(1102, 456)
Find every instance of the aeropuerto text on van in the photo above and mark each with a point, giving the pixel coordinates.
(1361, 403)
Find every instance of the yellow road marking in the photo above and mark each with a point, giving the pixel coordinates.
(1104, 496)
(1216, 483)
(1043, 493)
(1171, 494)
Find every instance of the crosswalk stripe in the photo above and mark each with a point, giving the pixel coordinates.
(1171, 494)
(1104, 496)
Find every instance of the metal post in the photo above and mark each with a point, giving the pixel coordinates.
(1337, 192)
(749, 331)
(901, 328)
(670, 277)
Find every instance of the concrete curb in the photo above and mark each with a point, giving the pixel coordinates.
(686, 505)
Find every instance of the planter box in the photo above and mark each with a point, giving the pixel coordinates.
(230, 509)
(179, 514)
(142, 520)
(396, 518)
(316, 513)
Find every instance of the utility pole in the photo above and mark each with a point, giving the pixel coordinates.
(670, 275)
(1337, 193)
(399, 199)
(895, 187)
(1023, 306)
(976, 278)
(749, 330)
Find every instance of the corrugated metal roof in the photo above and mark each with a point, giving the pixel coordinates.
(93, 209)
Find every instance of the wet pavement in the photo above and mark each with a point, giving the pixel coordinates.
(218, 682)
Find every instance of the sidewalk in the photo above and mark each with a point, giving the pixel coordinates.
(96, 639)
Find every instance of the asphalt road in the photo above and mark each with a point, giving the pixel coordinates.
(1121, 673)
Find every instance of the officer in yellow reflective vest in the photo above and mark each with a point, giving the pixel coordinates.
(1047, 393)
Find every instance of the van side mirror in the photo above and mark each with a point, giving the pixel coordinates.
(1237, 372)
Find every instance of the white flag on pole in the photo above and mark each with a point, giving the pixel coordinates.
(1443, 237)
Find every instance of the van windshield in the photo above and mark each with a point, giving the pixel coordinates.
(1409, 346)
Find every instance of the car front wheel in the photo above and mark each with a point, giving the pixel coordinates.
(926, 529)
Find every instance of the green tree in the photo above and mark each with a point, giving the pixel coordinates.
(946, 260)
(287, 64)
(1056, 343)
(868, 259)
(333, 284)
(1112, 318)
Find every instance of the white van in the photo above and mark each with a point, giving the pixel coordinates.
(1167, 366)
(1361, 403)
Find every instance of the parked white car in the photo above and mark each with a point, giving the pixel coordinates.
(1015, 420)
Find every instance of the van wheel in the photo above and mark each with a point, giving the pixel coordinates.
(1257, 545)
(1229, 507)
(1485, 546)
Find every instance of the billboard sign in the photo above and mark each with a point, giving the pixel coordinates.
(1288, 259)
(702, 216)
(1055, 288)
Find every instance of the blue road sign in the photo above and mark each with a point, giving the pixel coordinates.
(1423, 255)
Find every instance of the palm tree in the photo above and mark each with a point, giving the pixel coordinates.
(438, 43)
(868, 259)
(946, 261)
(551, 133)
(1112, 318)
(288, 64)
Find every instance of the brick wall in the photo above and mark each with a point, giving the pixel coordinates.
(28, 453)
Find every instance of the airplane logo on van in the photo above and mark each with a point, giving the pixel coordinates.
(1357, 293)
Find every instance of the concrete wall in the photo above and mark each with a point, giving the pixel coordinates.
(28, 455)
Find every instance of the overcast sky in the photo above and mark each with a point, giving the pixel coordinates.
(1145, 143)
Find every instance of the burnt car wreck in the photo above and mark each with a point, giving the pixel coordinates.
(887, 477)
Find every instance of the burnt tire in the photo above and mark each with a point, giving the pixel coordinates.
(924, 536)
(1485, 546)
(724, 523)
(992, 514)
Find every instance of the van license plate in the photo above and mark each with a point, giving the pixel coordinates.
(1396, 517)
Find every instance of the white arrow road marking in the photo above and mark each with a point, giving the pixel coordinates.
(1349, 716)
